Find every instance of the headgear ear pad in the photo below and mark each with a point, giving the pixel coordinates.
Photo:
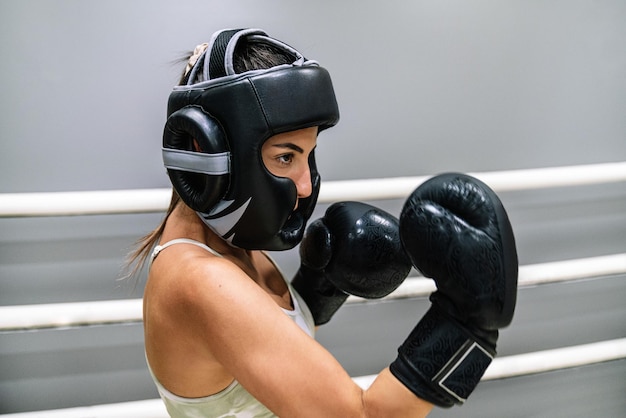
(202, 180)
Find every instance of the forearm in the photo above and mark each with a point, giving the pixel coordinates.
(342, 398)
(387, 397)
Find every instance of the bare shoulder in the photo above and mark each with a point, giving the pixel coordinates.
(185, 278)
(206, 295)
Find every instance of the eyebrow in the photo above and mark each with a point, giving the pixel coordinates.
(290, 146)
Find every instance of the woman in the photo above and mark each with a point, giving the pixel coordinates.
(225, 333)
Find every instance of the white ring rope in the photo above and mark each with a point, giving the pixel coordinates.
(500, 368)
(57, 315)
(544, 361)
(156, 200)
(500, 181)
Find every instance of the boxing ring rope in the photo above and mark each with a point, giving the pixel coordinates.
(500, 368)
(74, 314)
(14, 205)
(60, 315)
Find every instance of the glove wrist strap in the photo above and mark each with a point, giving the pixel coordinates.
(440, 361)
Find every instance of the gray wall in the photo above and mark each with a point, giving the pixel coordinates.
(423, 87)
(428, 85)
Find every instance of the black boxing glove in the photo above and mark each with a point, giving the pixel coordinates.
(456, 231)
(354, 249)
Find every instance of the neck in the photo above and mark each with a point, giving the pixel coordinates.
(184, 222)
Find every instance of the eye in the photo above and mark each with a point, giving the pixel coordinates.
(285, 159)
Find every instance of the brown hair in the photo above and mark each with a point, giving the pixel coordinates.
(247, 56)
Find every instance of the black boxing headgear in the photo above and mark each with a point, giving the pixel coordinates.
(230, 116)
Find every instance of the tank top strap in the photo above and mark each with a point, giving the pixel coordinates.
(157, 249)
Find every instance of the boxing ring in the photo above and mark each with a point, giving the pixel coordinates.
(20, 318)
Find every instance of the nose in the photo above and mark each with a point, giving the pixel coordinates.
(302, 180)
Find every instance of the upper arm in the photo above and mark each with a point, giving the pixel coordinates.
(266, 352)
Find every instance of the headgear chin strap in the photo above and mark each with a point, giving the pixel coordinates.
(230, 116)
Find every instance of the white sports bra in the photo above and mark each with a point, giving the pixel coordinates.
(234, 401)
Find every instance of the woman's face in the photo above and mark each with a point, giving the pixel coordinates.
(287, 155)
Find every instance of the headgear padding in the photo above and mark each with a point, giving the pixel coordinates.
(230, 116)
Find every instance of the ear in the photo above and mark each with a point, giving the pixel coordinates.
(200, 178)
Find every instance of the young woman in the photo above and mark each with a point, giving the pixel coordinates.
(226, 335)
